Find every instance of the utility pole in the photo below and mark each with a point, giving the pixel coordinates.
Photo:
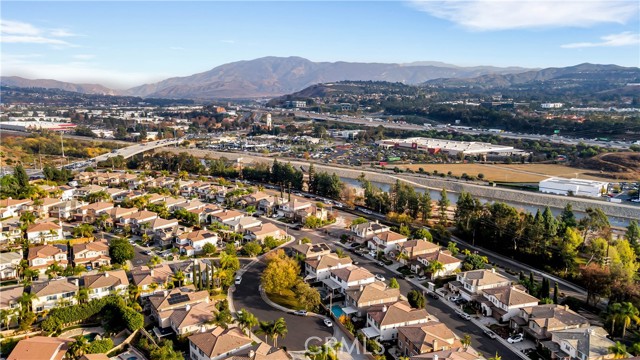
(62, 143)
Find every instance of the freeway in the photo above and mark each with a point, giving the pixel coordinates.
(505, 134)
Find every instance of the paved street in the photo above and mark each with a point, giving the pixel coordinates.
(247, 295)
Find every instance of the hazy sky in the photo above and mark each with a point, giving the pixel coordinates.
(122, 44)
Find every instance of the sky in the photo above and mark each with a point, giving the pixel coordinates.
(121, 44)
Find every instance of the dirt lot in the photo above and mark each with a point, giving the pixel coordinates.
(518, 173)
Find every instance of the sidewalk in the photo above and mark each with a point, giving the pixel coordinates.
(477, 322)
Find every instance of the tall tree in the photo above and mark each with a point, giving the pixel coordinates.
(633, 235)
(629, 314)
(443, 204)
(246, 321)
(567, 217)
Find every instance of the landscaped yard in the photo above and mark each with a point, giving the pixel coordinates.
(287, 299)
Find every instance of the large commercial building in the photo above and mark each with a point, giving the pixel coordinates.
(577, 187)
(449, 147)
(36, 125)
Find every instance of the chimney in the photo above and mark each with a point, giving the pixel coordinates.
(106, 274)
(361, 287)
(435, 348)
(188, 307)
(493, 270)
(166, 293)
(77, 282)
(251, 354)
(566, 307)
(151, 273)
(384, 308)
(435, 357)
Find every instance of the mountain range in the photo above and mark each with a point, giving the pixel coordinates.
(268, 77)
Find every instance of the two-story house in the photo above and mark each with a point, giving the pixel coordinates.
(365, 231)
(226, 216)
(92, 255)
(67, 209)
(53, 293)
(10, 299)
(450, 264)
(164, 303)
(204, 213)
(191, 243)
(43, 232)
(137, 219)
(192, 318)
(46, 206)
(386, 241)
(289, 209)
(10, 232)
(359, 300)
(538, 322)
(310, 250)
(470, 284)
(425, 338)
(319, 268)
(66, 192)
(589, 343)
(106, 283)
(343, 279)
(41, 257)
(12, 207)
(319, 212)
(9, 264)
(88, 213)
(152, 279)
(383, 321)
(259, 233)
(243, 223)
(217, 344)
(411, 249)
(503, 303)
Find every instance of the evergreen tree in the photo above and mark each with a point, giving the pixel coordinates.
(425, 205)
(550, 223)
(443, 204)
(567, 217)
(544, 289)
(555, 293)
(21, 176)
(312, 178)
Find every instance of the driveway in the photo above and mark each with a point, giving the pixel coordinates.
(300, 329)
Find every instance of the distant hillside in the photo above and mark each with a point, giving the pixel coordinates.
(591, 77)
(273, 76)
(54, 84)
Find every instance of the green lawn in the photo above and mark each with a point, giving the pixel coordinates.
(286, 299)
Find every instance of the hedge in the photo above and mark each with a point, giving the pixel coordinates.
(70, 314)
(100, 346)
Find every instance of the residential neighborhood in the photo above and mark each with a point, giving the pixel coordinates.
(174, 261)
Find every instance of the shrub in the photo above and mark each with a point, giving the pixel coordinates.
(100, 346)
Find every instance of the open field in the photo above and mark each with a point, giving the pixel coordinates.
(516, 173)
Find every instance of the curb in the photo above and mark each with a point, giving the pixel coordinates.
(479, 325)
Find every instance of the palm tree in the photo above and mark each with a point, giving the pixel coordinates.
(266, 328)
(402, 257)
(466, 340)
(279, 330)
(495, 357)
(83, 230)
(25, 300)
(5, 317)
(79, 347)
(619, 350)
(434, 267)
(178, 277)
(613, 314)
(54, 270)
(27, 218)
(246, 321)
(328, 351)
(83, 295)
(340, 253)
(628, 314)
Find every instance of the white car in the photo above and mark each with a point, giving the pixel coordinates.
(300, 312)
(328, 322)
(454, 298)
(238, 280)
(379, 277)
(515, 338)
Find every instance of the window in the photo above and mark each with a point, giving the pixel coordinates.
(51, 297)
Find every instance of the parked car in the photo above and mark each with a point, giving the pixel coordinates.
(463, 315)
(432, 295)
(238, 280)
(454, 298)
(422, 278)
(328, 323)
(300, 312)
(380, 263)
(379, 277)
(490, 334)
(515, 338)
